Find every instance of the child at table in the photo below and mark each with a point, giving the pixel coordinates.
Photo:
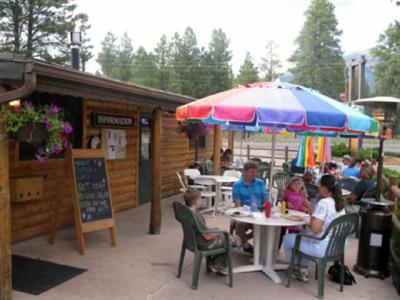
(295, 196)
(218, 262)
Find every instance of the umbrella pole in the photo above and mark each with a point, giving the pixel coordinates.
(272, 159)
(241, 145)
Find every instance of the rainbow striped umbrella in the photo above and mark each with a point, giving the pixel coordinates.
(274, 106)
(277, 105)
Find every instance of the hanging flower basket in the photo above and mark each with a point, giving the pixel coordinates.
(34, 134)
(41, 126)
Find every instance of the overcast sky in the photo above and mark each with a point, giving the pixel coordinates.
(249, 24)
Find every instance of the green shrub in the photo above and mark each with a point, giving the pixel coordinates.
(367, 152)
(339, 149)
(390, 153)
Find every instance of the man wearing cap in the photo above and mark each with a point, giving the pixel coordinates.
(366, 183)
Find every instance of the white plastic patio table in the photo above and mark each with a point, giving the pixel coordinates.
(345, 192)
(266, 233)
(219, 179)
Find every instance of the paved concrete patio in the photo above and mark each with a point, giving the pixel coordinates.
(144, 266)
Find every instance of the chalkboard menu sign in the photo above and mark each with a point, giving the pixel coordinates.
(92, 188)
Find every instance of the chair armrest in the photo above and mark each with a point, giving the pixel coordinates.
(214, 231)
(299, 236)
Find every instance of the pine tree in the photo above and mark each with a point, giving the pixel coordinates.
(124, 59)
(186, 62)
(37, 28)
(387, 74)
(218, 60)
(271, 62)
(248, 72)
(107, 57)
(162, 56)
(318, 60)
(144, 69)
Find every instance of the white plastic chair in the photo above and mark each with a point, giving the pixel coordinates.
(233, 173)
(183, 186)
(191, 173)
(209, 194)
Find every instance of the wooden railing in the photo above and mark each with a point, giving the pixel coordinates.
(285, 153)
(394, 194)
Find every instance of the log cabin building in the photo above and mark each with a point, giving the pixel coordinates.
(143, 171)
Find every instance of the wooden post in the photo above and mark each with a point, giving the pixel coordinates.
(230, 141)
(155, 219)
(217, 148)
(61, 194)
(5, 218)
(392, 195)
(248, 152)
(286, 153)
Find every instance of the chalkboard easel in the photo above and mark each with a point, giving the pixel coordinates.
(92, 198)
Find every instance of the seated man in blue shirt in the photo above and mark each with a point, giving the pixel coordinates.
(365, 184)
(247, 188)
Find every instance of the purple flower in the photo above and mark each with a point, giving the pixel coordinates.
(41, 155)
(65, 142)
(54, 109)
(67, 128)
(47, 122)
(30, 104)
(56, 149)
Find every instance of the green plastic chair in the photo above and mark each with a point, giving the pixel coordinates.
(190, 229)
(340, 229)
(286, 168)
(279, 182)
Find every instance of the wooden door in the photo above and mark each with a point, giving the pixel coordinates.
(145, 174)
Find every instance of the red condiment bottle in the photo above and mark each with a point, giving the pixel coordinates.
(267, 206)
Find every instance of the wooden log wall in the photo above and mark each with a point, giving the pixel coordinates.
(33, 218)
(176, 155)
(123, 173)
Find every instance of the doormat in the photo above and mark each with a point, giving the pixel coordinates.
(35, 276)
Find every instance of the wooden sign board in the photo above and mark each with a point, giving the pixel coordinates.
(92, 203)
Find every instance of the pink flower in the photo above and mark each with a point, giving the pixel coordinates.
(67, 128)
(54, 109)
(47, 122)
(56, 149)
(30, 104)
(41, 155)
(65, 142)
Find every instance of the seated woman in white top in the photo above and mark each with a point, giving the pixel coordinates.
(327, 209)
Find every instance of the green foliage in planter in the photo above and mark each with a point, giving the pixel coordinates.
(50, 117)
(396, 238)
(395, 234)
(339, 150)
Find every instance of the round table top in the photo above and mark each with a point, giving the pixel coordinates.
(276, 219)
(345, 192)
(219, 178)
